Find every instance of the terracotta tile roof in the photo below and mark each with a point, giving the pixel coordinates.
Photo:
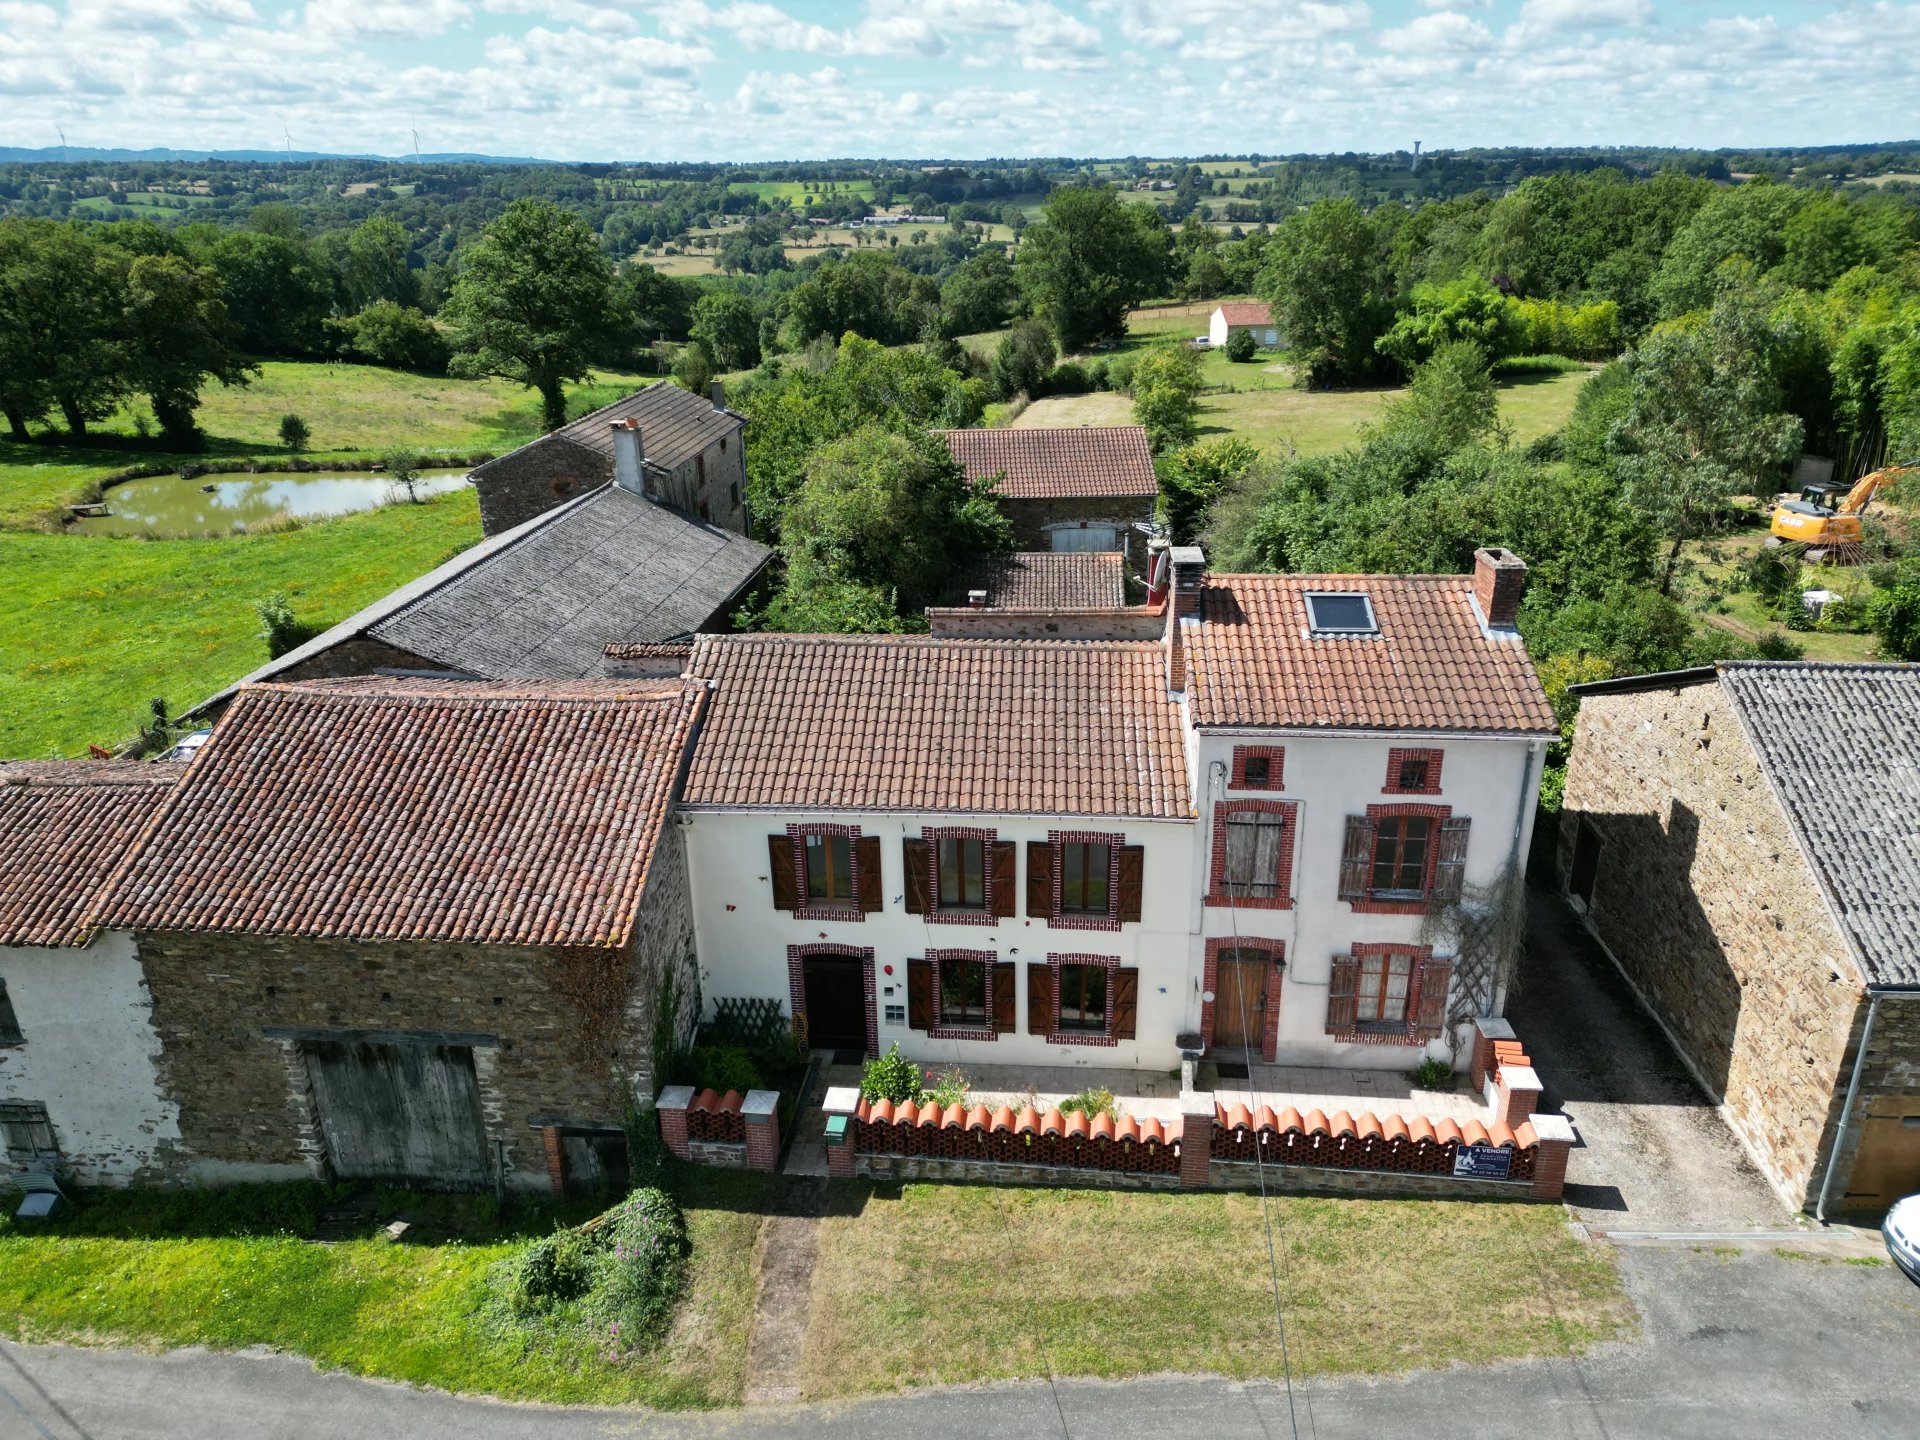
(1069, 462)
(514, 812)
(1247, 312)
(1252, 661)
(65, 825)
(1051, 580)
(830, 722)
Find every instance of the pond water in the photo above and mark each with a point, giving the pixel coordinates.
(233, 504)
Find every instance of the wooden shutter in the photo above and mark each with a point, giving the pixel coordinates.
(1005, 879)
(1039, 998)
(1450, 866)
(1356, 860)
(1003, 996)
(780, 866)
(866, 856)
(920, 994)
(1133, 872)
(1343, 996)
(1040, 879)
(914, 856)
(1126, 1002)
(1430, 1014)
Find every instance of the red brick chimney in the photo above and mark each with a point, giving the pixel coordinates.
(1499, 580)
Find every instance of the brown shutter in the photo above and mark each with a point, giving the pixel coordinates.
(1450, 865)
(780, 864)
(866, 857)
(1040, 879)
(920, 994)
(1039, 998)
(1356, 860)
(1005, 878)
(914, 856)
(1003, 996)
(1343, 996)
(1430, 1015)
(1126, 1002)
(1133, 873)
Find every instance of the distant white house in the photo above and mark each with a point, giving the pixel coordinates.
(1244, 315)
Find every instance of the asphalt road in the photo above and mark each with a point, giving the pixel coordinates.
(1745, 1346)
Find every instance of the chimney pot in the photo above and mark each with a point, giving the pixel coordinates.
(1499, 582)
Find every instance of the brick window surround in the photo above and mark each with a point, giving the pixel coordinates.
(1059, 840)
(1393, 1034)
(797, 984)
(1217, 866)
(1274, 755)
(1438, 814)
(1397, 758)
(1210, 985)
(805, 908)
(1056, 963)
(965, 914)
(986, 1030)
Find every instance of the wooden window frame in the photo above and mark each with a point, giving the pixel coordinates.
(1217, 892)
(1399, 758)
(981, 914)
(1275, 760)
(805, 907)
(1210, 987)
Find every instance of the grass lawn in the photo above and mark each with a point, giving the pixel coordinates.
(372, 1307)
(96, 626)
(946, 1285)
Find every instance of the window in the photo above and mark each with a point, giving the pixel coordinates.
(1085, 878)
(1255, 773)
(1385, 981)
(1083, 997)
(9, 1025)
(29, 1134)
(1348, 613)
(829, 861)
(1253, 870)
(963, 873)
(963, 992)
(1400, 854)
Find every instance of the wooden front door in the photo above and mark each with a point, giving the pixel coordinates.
(836, 1003)
(402, 1113)
(1239, 1002)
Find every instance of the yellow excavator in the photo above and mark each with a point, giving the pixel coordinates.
(1824, 521)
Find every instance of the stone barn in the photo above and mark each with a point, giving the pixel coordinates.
(1742, 839)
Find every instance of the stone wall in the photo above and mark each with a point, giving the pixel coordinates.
(534, 479)
(1704, 898)
(1031, 517)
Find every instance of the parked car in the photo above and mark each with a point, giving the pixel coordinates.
(1901, 1230)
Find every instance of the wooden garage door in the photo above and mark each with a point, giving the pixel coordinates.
(1887, 1165)
(405, 1113)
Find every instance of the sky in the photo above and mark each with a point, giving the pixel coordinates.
(952, 79)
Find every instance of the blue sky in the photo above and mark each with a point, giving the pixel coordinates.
(780, 79)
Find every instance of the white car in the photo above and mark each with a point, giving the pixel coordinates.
(1901, 1230)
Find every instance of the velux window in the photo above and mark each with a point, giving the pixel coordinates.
(1345, 613)
(963, 873)
(829, 860)
(1253, 854)
(1400, 855)
(1085, 878)
(1083, 997)
(963, 992)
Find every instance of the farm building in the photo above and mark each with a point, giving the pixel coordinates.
(1741, 840)
(1249, 315)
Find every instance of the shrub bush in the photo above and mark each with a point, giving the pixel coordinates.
(890, 1077)
(1240, 346)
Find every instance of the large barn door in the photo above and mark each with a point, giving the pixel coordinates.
(403, 1113)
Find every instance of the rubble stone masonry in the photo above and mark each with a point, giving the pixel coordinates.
(1703, 896)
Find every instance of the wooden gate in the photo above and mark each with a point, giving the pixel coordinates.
(1239, 1002)
(400, 1112)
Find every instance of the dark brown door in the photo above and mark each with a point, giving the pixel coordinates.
(836, 1004)
(1239, 1002)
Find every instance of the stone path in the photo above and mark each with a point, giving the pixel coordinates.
(789, 1246)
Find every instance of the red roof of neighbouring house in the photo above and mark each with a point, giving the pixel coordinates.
(511, 812)
(1063, 463)
(65, 825)
(1253, 659)
(1247, 312)
(860, 722)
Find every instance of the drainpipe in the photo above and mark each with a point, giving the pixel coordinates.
(1846, 1110)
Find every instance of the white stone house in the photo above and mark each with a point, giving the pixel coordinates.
(1252, 315)
(80, 1096)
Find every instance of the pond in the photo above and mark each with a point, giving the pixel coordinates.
(233, 504)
